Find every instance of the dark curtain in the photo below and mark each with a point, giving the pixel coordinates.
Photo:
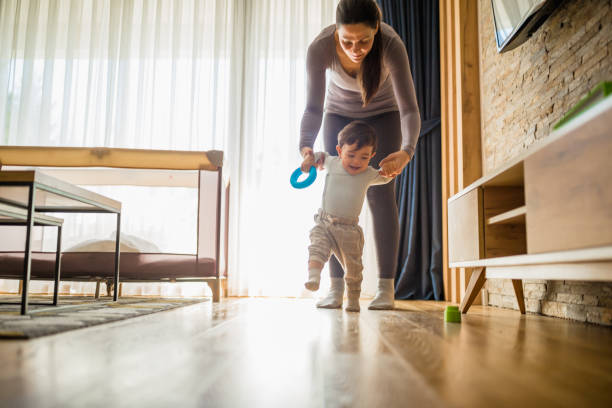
(419, 187)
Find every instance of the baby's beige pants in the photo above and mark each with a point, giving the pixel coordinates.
(344, 238)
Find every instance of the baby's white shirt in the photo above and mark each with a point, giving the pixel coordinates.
(344, 193)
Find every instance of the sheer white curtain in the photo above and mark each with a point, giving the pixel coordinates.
(271, 220)
(147, 74)
(172, 74)
(131, 73)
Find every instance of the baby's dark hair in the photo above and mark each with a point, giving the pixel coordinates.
(358, 132)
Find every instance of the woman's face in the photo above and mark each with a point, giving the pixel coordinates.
(356, 40)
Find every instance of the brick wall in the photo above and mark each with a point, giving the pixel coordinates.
(523, 93)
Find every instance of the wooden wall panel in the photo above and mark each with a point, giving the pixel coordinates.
(460, 110)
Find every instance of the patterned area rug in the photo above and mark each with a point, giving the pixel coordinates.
(75, 313)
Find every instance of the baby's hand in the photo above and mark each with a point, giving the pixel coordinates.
(385, 171)
(393, 164)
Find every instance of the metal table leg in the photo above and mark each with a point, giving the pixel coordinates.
(117, 242)
(58, 258)
(27, 262)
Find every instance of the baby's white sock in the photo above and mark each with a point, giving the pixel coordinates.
(385, 295)
(353, 300)
(333, 300)
(314, 277)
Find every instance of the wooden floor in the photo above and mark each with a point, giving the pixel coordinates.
(286, 353)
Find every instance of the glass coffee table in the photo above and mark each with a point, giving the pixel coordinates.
(27, 196)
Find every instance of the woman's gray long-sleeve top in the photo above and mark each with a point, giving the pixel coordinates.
(396, 92)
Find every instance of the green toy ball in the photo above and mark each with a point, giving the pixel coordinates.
(452, 314)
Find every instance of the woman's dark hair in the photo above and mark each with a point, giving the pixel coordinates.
(366, 12)
(358, 132)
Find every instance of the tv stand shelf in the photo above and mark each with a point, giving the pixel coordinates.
(516, 216)
(545, 215)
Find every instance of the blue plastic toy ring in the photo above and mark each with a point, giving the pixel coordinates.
(312, 175)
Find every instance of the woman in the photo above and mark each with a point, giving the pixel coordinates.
(370, 80)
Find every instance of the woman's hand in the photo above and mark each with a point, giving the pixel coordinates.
(393, 164)
(309, 161)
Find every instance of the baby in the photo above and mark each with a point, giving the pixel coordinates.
(336, 229)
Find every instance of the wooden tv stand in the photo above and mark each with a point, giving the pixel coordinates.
(545, 215)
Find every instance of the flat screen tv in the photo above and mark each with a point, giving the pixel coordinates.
(516, 20)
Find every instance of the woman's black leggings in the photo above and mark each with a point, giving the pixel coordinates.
(381, 198)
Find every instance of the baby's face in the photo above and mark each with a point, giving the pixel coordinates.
(355, 160)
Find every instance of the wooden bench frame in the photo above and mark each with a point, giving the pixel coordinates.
(107, 166)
